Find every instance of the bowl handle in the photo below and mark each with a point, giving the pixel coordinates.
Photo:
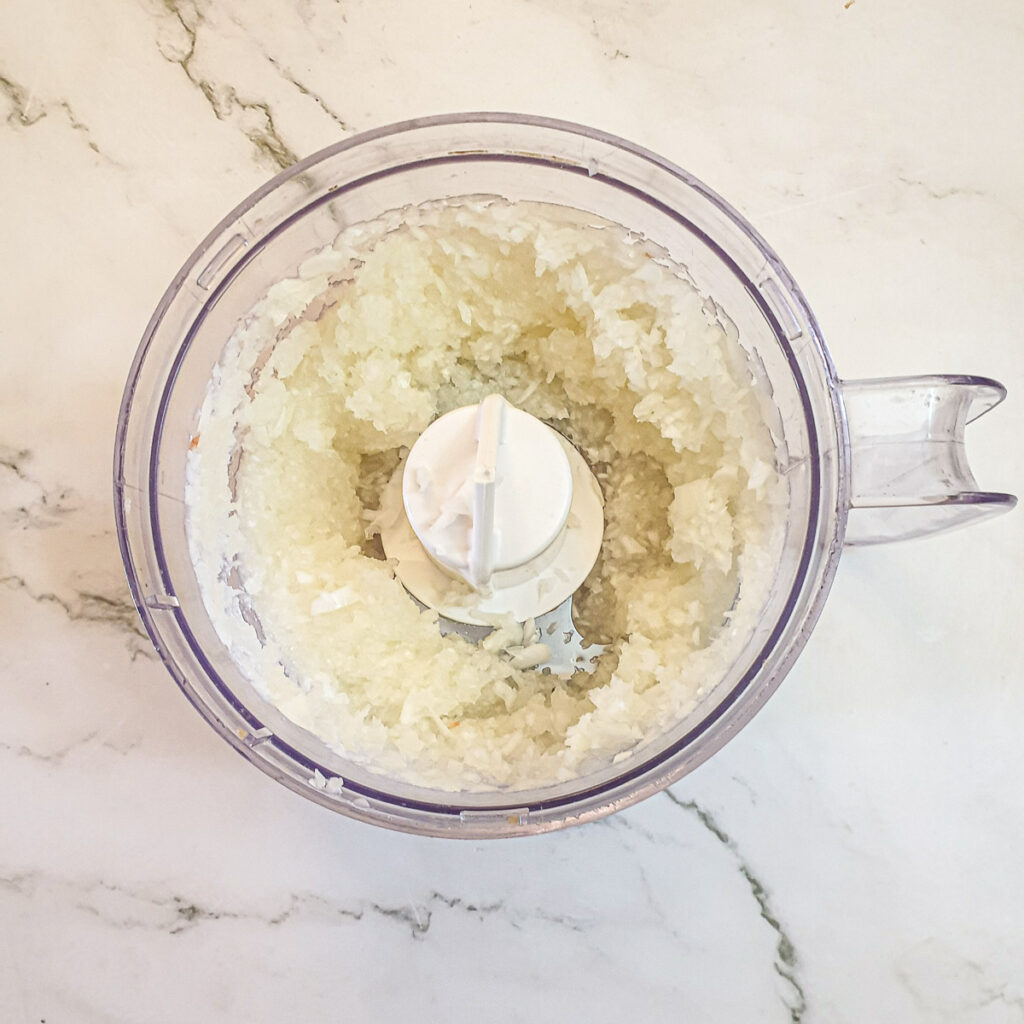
(909, 471)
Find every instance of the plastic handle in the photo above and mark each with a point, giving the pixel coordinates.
(490, 432)
(910, 475)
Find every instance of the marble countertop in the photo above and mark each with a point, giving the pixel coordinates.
(853, 855)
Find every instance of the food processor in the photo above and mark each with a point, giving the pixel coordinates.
(863, 461)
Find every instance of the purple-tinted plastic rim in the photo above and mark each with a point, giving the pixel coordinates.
(638, 771)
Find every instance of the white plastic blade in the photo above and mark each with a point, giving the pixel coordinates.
(490, 432)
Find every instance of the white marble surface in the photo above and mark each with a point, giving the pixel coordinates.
(854, 855)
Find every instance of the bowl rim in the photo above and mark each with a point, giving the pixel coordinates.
(649, 774)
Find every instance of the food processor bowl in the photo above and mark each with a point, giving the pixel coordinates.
(833, 473)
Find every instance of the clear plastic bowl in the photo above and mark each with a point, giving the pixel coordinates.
(303, 209)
